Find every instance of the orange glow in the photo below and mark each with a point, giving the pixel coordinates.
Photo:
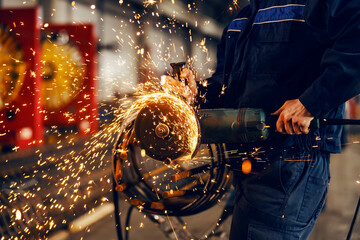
(246, 167)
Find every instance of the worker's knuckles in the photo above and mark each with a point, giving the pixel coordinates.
(296, 128)
(287, 119)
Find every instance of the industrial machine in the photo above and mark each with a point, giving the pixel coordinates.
(21, 123)
(63, 71)
(68, 88)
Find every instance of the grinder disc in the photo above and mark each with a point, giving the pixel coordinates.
(162, 131)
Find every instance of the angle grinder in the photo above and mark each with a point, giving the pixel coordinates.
(239, 126)
(169, 159)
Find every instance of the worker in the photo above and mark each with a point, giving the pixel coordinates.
(298, 60)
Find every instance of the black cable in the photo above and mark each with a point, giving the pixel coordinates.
(354, 220)
(339, 121)
(317, 123)
(127, 222)
(117, 211)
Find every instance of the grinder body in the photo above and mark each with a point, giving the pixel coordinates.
(245, 125)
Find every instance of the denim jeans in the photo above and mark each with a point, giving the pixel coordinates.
(283, 201)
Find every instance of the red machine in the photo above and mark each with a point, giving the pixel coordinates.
(68, 77)
(354, 108)
(21, 119)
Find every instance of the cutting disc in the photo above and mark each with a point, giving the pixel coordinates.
(165, 129)
(63, 73)
(12, 67)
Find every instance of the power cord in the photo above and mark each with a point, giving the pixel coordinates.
(117, 211)
(354, 220)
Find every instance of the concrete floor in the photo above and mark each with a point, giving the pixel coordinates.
(333, 223)
(343, 196)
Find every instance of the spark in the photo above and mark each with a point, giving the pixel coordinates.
(143, 152)
(18, 215)
(149, 2)
(234, 5)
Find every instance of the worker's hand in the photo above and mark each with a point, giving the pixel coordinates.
(293, 118)
(188, 91)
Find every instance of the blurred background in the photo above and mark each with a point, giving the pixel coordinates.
(65, 69)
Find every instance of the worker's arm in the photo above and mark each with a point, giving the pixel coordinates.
(335, 23)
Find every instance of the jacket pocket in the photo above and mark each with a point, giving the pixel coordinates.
(270, 49)
(292, 168)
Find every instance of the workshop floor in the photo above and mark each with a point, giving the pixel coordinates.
(333, 223)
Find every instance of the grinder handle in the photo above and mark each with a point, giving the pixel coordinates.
(316, 123)
(177, 66)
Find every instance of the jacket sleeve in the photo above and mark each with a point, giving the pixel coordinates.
(336, 23)
(210, 89)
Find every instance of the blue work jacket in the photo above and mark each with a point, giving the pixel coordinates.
(278, 50)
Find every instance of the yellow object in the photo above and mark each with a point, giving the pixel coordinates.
(63, 73)
(12, 67)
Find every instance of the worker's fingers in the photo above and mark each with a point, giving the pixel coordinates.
(173, 85)
(304, 126)
(169, 81)
(278, 112)
(296, 127)
(189, 75)
(305, 130)
(186, 73)
(293, 118)
(288, 126)
(280, 125)
(179, 88)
